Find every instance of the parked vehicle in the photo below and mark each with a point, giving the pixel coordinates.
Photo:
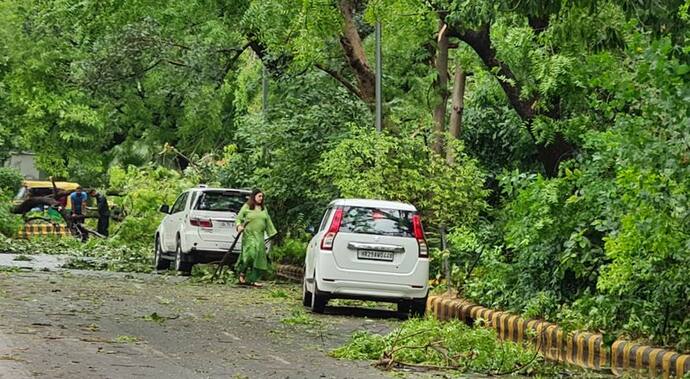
(198, 228)
(369, 250)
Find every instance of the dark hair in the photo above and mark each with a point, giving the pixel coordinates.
(251, 202)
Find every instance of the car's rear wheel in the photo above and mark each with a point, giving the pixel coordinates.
(404, 306)
(306, 295)
(181, 265)
(159, 262)
(419, 307)
(318, 299)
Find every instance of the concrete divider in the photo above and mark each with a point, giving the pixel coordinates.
(583, 349)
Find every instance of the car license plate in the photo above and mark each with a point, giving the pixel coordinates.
(375, 255)
(224, 224)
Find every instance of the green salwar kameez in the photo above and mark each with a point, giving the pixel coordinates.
(253, 262)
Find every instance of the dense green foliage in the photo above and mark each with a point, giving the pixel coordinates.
(567, 197)
(145, 190)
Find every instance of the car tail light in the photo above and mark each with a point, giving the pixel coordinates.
(327, 241)
(418, 232)
(200, 222)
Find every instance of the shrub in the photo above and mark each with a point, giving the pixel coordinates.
(290, 251)
(10, 180)
(9, 222)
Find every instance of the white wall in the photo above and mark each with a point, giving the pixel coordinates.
(25, 163)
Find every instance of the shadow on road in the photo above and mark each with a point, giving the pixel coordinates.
(372, 313)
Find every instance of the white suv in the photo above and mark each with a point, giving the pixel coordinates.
(198, 228)
(370, 250)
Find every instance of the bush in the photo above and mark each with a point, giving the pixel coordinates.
(290, 251)
(10, 180)
(9, 222)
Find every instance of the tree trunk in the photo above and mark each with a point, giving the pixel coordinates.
(441, 86)
(356, 58)
(458, 106)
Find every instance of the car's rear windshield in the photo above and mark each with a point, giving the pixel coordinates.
(379, 221)
(221, 201)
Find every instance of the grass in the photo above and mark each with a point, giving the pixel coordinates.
(22, 258)
(126, 339)
(299, 317)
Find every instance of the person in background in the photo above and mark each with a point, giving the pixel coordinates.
(254, 221)
(78, 198)
(103, 212)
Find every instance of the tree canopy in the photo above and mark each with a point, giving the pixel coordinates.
(551, 138)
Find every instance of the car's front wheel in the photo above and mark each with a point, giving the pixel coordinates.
(181, 265)
(159, 262)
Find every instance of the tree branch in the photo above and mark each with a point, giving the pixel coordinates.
(231, 61)
(480, 41)
(550, 153)
(340, 78)
(351, 43)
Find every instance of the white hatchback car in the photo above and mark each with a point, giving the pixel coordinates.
(198, 228)
(369, 250)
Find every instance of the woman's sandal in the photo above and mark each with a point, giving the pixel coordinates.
(257, 285)
(242, 280)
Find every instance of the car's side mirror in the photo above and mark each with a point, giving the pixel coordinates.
(164, 209)
(311, 230)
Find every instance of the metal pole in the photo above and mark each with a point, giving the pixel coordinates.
(264, 108)
(379, 110)
(265, 92)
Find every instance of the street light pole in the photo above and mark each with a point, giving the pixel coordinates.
(379, 110)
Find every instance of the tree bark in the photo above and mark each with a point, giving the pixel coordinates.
(441, 86)
(353, 48)
(458, 106)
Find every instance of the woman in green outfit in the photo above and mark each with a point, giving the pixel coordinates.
(254, 221)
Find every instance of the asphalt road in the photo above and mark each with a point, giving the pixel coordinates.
(73, 324)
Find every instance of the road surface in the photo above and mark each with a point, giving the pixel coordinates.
(80, 324)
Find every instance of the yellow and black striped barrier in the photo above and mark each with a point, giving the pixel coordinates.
(27, 231)
(586, 350)
(626, 356)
